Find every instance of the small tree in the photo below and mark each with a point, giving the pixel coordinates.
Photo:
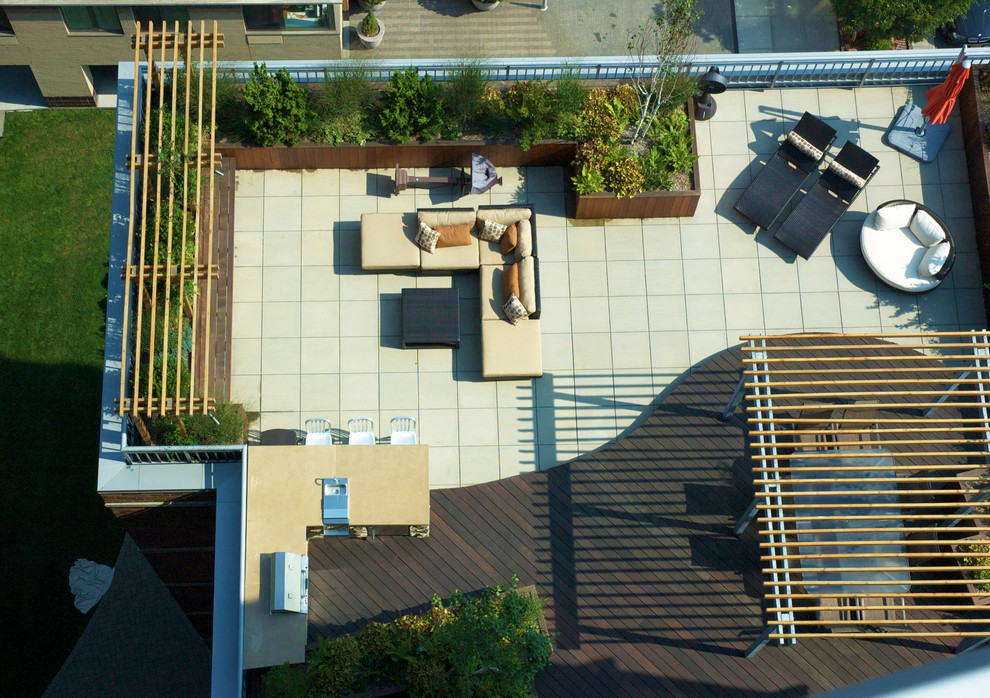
(912, 19)
(658, 49)
(277, 111)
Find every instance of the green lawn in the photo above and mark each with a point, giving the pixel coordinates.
(55, 186)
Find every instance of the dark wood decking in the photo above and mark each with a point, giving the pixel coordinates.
(650, 592)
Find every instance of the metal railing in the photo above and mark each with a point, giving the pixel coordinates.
(181, 455)
(752, 71)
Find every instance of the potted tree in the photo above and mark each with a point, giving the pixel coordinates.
(371, 32)
(485, 5)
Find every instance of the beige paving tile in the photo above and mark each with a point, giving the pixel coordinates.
(392, 358)
(474, 392)
(626, 278)
(280, 392)
(283, 183)
(859, 309)
(877, 102)
(744, 312)
(740, 276)
(777, 276)
(359, 355)
(248, 249)
(729, 137)
(699, 242)
(593, 350)
(320, 182)
(731, 171)
(317, 247)
(556, 316)
(516, 460)
(245, 357)
(319, 284)
(479, 464)
(437, 390)
(667, 313)
(282, 248)
(439, 359)
(359, 318)
(662, 241)
(358, 391)
(320, 392)
(817, 274)
(557, 352)
(586, 278)
(703, 344)
(282, 213)
(319, 355)
(589, 314)
(320, 319)
(280, 355)
(664, 277)
(586, 244)
(281, 284)
(631, 350)
(246, 320)
(477, 427)
(705, 312)
(795, 102)
(782, 311)
(628, 314)
(516, 426)
(820, 311)
(399, 391)
(438, 428)
(444, 467)
(246, 390)
(621, 243)
(249, 214)
(280, 319)
(247, 284)
(556, 425)
(249, 183)
(320, 212)
(702, 276)
(544, 179)
(898, 310)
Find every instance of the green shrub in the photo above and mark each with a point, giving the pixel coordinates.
(200, 428)
(285, 681)
(343, 106)
(588, 181)
(624, 177)
(462, 93)
(335, 666)
(412, 107)
(277, 107)
(672, 138)
(369, 25)
(491, 118)
(977, 561)
(877, 42)
(599, 122)
(655, 173)
(569, 96)
(530, 105)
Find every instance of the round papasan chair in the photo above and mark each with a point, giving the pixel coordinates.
(907, 246)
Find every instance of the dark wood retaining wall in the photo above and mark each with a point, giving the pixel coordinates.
(978, 166)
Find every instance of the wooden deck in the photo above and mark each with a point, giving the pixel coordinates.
(649, 591)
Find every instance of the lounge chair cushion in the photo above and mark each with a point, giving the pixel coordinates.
(514, 310)
(491, 231)
(454, 235)
(527, 283)
(804, 146)
(427, 237)
(927, 229)
(898, 216)
(524, 246)
(934, 259)
(847, 174)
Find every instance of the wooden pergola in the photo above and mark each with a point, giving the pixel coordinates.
(870, 455)
(170, 261)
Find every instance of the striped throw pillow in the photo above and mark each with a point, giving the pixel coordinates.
(848, 175)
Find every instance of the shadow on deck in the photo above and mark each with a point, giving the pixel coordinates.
(650, 593)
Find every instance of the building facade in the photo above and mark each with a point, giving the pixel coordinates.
(72, 50)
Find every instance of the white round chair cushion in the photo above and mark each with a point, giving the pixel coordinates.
(894, 255)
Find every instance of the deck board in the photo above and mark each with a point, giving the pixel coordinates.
(650, 592)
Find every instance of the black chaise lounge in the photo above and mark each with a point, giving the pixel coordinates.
(830, 197)
(786, 171)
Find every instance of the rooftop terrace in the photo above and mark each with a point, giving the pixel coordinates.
(628, 305)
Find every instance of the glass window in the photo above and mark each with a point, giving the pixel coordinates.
(158, 14)
(286, 17)
(91, 19)
(5, 27)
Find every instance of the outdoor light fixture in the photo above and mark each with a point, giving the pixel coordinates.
(712, 83)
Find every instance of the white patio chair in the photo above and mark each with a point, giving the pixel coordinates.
(403, 431)
(362, 431)
(318, 432)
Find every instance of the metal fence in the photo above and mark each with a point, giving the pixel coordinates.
(752, 71)
(181, 455)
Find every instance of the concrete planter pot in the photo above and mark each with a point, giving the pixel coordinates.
(372, 41)
(484, 6)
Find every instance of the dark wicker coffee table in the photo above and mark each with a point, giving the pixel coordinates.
(430, 318)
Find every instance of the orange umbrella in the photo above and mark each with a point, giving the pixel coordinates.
(942, 98)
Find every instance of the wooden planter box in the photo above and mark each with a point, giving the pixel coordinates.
(372, 156)
(652, 204)
(978, 169)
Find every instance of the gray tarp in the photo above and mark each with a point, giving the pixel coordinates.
(89, 580)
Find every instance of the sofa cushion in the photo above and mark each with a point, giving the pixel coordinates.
(510, 283)
(387, 242)
(448, 259)
(508, 242)
(511, 351)
(427, 237)
(804, 146)
(527, 283)
(514, 310)
(524, 247)
(934, 259)
(490, 253)
(454, 235)
(446, 217)
(490, 291)
(505, 216)
(927, 229)
(897, 216)
(491, 231)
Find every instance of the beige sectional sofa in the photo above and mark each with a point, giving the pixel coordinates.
(508, 351)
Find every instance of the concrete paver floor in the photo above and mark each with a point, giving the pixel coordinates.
(628, 305)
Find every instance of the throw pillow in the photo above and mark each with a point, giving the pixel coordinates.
(934, 259)
(524, 247)
(510, 239)
(804, 146)
(890, 217)
(427, 237)
(847, 174)
(492, 231)
(926, 229)
(510, 282)
(454, 235)
(527, 283)
(514, 310)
